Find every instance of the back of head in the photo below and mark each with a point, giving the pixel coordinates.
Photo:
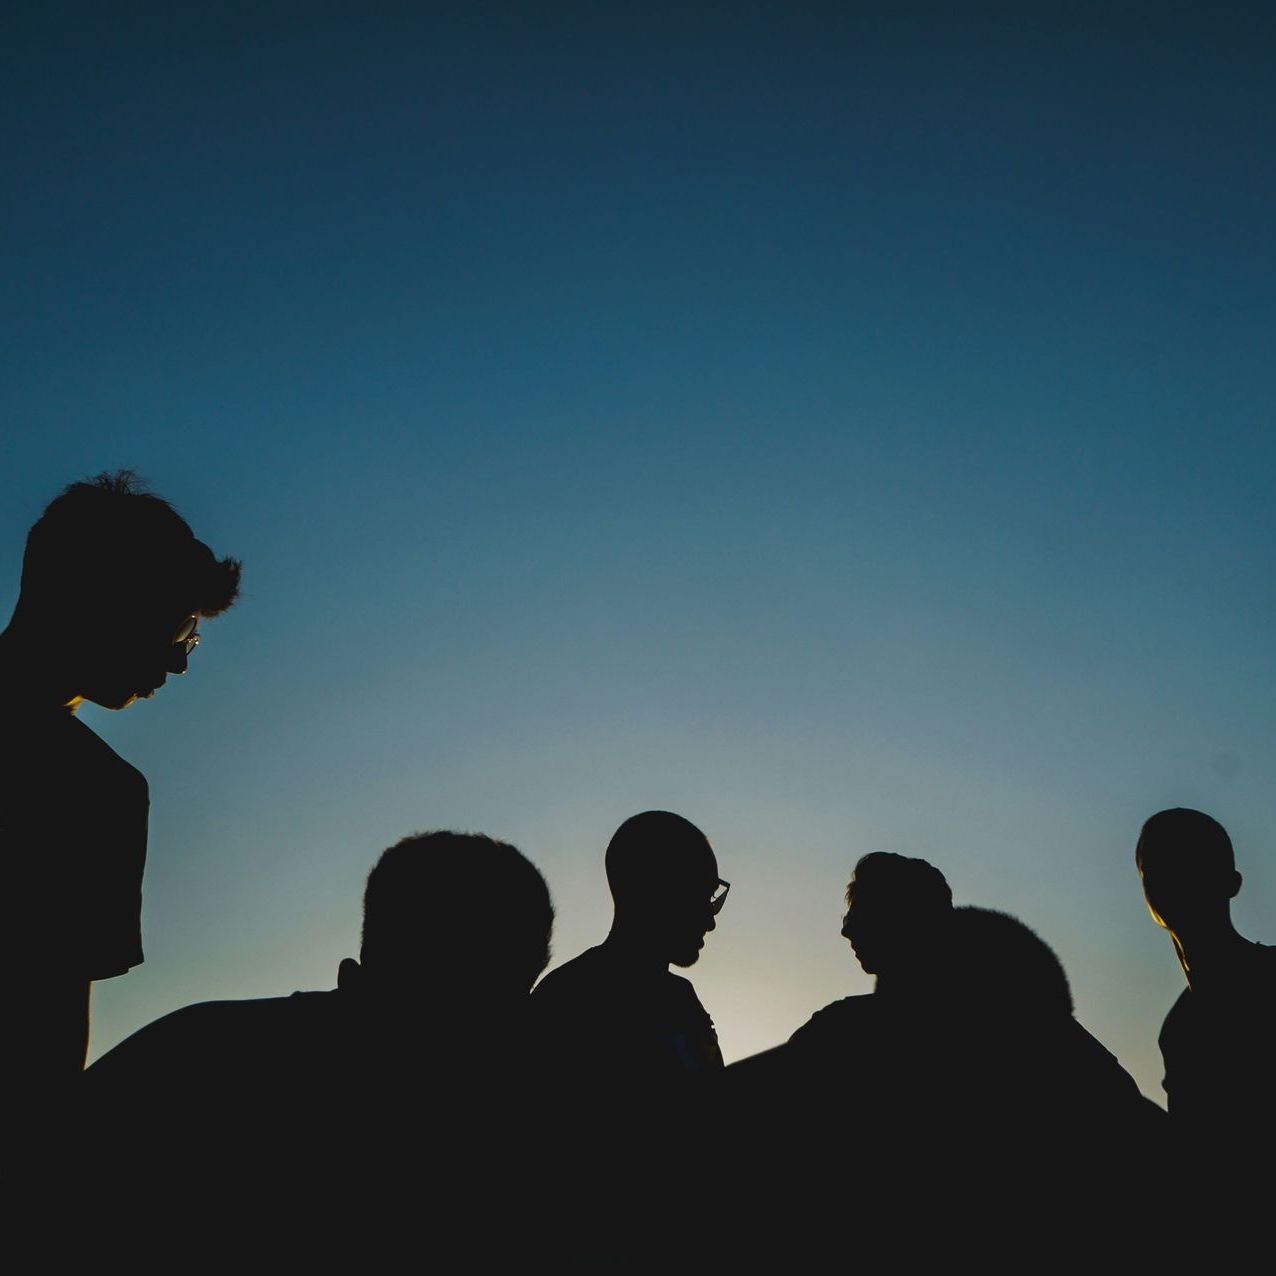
(1186, 861)
(108, 545)
(469, 914)
(1004, 968)
(1182, 839)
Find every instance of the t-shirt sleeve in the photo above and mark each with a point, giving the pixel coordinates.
(114, 860)
(73, 823)
(692, 1036)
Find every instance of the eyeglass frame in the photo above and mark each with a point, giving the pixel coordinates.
(186, 634)
(716, 901)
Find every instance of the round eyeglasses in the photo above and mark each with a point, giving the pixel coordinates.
(187, 634)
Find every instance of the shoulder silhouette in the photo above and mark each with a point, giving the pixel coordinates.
(625, 1047)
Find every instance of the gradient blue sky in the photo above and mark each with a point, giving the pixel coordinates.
(850, 426)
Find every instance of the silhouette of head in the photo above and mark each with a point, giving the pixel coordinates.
(456, 917)
(663, 876)
(1188, 869)
(897, 909)
(113, 585)
(999, 965)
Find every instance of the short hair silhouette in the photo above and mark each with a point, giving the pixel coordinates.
(110, 541)
(653, 851)
(438, 897)
(113, 587)
(897, 908)
(1188, 867)
(1218, 1038)
(999, 962)
(1182, 837)
(918, 880)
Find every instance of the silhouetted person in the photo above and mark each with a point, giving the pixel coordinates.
(114, 585)
(1046, 1129)
(1219, 1038)
(1011, 993)
(898, 911)
(979, 975)
(400, 1098)
(970, 1095)
(897, 918)
(623, 1041)
(617, 1011)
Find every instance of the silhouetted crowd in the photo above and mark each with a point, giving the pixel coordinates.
(441, 1108)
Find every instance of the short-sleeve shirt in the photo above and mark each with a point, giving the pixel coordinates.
(621, 1054)
(600, 1018)
(73, 821)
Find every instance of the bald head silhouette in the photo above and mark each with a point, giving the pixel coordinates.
(663, 875)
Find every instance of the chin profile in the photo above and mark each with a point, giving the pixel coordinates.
(114, 703)
(687, 956)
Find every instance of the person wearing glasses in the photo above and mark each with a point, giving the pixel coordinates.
(617, 1009)
(114, 584)
(625, 1048)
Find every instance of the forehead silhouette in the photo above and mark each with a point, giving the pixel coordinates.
(659, 851)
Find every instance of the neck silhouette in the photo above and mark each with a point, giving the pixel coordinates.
(637, 945)
(1208, 947)
(30, 676)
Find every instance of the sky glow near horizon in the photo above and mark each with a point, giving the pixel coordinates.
(851, 429)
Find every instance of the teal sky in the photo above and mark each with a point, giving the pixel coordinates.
(849, 426)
